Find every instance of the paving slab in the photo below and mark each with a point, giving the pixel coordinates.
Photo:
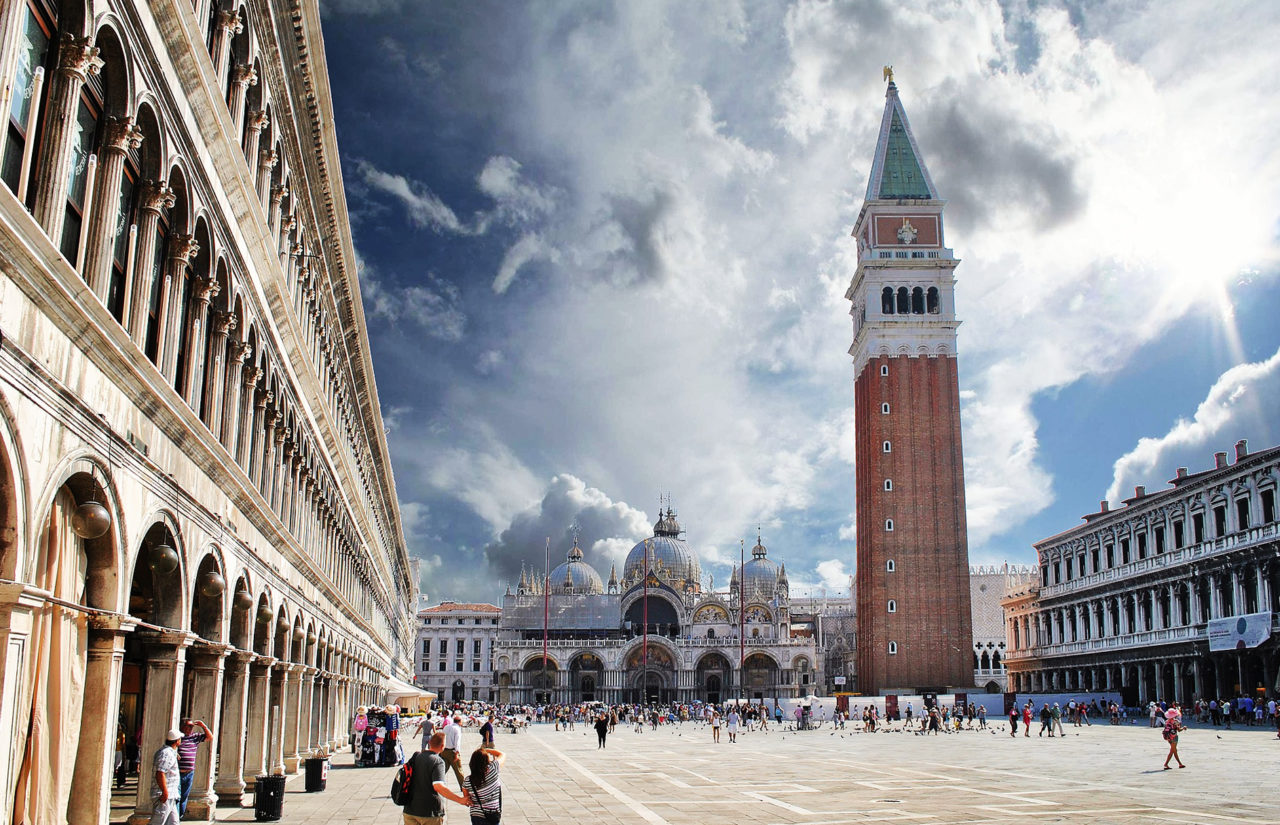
(677, 775)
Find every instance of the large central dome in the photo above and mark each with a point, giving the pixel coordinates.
(671, 560)
(575, 575)
(762, 579)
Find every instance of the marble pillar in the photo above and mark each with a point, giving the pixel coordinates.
(258, 717)
(230, 785)
(89, 799)
(293, 718)
(205, 665)
(166, 653)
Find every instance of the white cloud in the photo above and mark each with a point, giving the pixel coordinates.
(529, 248)
(422, 205)
(435, 306)
(1240, 405)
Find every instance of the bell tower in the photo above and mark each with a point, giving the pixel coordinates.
(913, 606)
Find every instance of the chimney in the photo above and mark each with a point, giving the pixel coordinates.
(1139, 491)
(1182, 472)
(1219, 460)
(1242, 449)
(1104, 506)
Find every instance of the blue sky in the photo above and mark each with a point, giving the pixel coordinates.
(605, 247)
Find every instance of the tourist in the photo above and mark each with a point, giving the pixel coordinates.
(1013, 720)
(452, 744)
(602, 729)
(187, 759)
(1026, 720)
(164, 796)
(1056, 714)
(486, 732)
(424, 806)
(427, 727)
(1172, 725)
(733, 720)
(982, 717)
(485, 786)
(715, 727)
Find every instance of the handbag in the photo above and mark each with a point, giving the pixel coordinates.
(491, 817)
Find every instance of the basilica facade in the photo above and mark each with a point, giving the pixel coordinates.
(656, 634)
(197, 511)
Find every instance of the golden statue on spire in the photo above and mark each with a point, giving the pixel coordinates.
(888, 73)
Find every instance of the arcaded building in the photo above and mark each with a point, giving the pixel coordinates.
(914, 621)
(568, 636)
(1173, 596)
(197, 510)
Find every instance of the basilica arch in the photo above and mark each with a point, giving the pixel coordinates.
(651, 678)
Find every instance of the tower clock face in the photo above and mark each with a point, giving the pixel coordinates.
(907, 233)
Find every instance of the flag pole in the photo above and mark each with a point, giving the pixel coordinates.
(546, 607)
(644, 691)
(742, 613)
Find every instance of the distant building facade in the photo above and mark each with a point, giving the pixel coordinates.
(1174, 596)
(987, 589)
(914, 619)
(595, 648)
(455, 650)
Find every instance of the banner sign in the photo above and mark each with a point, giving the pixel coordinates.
(1239, 632)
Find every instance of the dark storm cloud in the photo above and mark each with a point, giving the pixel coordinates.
(641, 220)
(983, 159)
(606, 528)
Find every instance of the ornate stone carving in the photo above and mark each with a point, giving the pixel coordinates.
(156, 195)
(244, 75)
(78, 57)
(277, 193)
(182, 248)
(206, 289)
(252, 375)
(121, 135)
(229, 21)
(223, 324)
(267, 159)
(258, 120)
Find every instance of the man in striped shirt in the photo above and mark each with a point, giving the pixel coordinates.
(187, 757)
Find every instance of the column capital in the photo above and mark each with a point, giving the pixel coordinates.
(120, 134)
(244, 75)
(156, 195)
(282, 433)
(263, 398)
(268, 158)
(216, 650)
(277, 193)
(112, 623)
(229, 21)
(241, 657)
(223, 324)
(265, 662)
(258, 120)
(78, 57)
(206, 289)
(182, 248)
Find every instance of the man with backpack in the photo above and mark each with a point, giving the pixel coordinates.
(419, 785)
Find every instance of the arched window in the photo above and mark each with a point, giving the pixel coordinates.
(917, 301)
(893, 648)
(931, 301)
(37, 56)
(888, 525)
(888, 448)
(884, 370)
(904, 301)
(985, 663)
(84, 140)
(889, 566)
(884, 408)
(996, 664)
(886, 301)
(888, 485)
(893, 606)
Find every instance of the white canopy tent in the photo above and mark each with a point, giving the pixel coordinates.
(407, 696)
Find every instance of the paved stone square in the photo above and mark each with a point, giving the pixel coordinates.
(1098, 774)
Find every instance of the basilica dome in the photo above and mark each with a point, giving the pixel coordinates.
(575, 576)
(761, 577)
(670, 558)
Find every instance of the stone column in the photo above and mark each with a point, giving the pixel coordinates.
(182, 248)
(284, 483)
(242, 77)
(306, 695)
(279, 710)
(153, 198)
(267, 160)
(204, 291)
(293, 718)
(215, 377)
(1177, 682)
(228, 25)
(1197, 678)
(258, 717)
(119, 136)
(206, 667)
(166, 659)
(277, 195)
(231, 740)
(89, 799)
(254, 124)
(77, 59)
(262, 468)
(243, 421)
(275, 487)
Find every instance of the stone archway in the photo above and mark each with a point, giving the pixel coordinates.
(715, 677)
(70, 665)
(653, 676)
(760, 677)
(586, 673)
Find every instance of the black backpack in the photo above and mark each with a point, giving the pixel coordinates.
(402, 785)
